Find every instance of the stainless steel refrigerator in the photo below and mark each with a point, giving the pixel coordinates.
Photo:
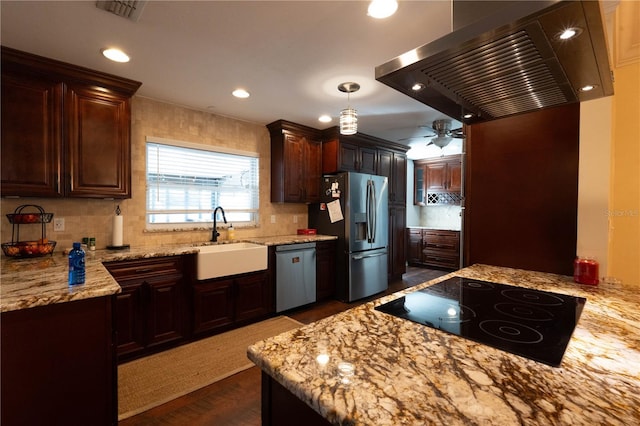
(355, 208)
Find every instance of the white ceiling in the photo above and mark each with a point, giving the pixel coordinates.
(290, 55)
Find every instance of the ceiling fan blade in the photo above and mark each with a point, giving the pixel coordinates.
(457, 133)
(415, 137)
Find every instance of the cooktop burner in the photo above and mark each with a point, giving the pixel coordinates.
(531, 323)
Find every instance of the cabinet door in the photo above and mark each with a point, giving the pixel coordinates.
(130, 320)
(31, 136)
(397, 242)
(325, 270)
(454, 174)
(312, 170)
(367, 160)
(293, 163)
(414, 255)
(164, 310)
(348, 157)
(57, 365)
(253, 296)
(398, 180)
(98, 136)
(212, 305)
(385, 168)
(419, 184)
(436, 177)
(385, 159)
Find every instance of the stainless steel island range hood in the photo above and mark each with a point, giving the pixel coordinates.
(509, 61)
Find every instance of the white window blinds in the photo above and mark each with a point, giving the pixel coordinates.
(185, 184)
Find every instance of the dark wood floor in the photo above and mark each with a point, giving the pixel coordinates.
(235, 401)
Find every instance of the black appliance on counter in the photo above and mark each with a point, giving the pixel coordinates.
(531, 323)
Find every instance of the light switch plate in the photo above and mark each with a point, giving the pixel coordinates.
(273, 218)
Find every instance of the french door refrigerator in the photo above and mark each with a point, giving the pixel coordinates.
(355, 208)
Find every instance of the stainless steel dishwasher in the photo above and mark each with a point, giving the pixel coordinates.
(295, 275)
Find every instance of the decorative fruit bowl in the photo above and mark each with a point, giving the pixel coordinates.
(20, 249)
(22, 218)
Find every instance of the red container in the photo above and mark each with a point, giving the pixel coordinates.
(307, 231)
(586, 271)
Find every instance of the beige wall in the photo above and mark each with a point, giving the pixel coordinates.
(84, 217)
(624, 199)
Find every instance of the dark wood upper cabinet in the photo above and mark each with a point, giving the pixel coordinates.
(98, 139)
(31, 135)
(437, 176)
(354, 153)
(296, 163)
(66, 130)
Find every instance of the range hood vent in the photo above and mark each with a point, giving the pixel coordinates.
(509, 62)
(130, 9)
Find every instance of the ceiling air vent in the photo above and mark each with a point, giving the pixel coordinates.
(130, 9)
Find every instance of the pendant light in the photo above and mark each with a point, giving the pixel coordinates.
(348, 116)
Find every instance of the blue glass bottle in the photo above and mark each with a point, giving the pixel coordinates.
(76, 265)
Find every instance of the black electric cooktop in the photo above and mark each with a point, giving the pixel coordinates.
(531, 323)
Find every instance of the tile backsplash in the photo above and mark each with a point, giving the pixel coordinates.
(443, 217)
(93, 218)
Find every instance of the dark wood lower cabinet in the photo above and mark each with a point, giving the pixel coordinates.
(58, 364)
(325, 269)
(432, 247)
(397, 243)
(151, 310)
(212, 305)
(221, 304)
(282, 408)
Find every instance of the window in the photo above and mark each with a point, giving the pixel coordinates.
(186, 182)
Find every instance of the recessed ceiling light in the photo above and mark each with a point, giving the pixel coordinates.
(569, 33)
(467, 115)
(115, 55)
(381, 9)
(587, 88)
(417, 87)
(325, 119)
(240, 93)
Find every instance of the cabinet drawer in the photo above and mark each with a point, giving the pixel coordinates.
(442, 244)
(440, 258)
(145, 268)
(442, 240)
(413, 232)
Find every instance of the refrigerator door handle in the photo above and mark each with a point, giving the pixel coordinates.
(368, 210)
(360, 257)
(374, 213)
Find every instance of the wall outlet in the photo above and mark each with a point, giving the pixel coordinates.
(273, 218)
(58, 224)
(295, 218)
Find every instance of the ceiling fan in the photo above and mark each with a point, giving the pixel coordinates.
(442, 133)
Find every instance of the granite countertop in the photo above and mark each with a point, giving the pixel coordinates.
(27, 283)
(289, 239)
(409, 374)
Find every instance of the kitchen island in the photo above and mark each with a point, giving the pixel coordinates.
(364, 367)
